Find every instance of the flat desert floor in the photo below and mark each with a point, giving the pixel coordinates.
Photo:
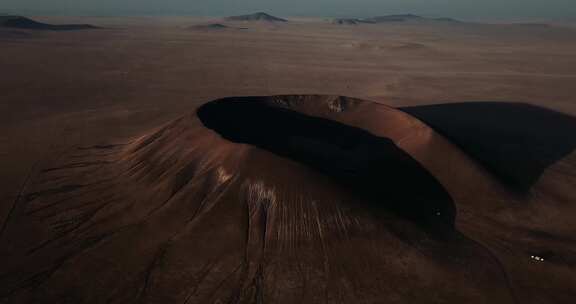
(60, 90)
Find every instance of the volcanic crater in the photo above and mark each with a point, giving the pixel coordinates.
(283, 199)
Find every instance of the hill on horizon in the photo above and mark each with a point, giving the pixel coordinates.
(259, 16)
(20, 22)
(215, 27)
(392, 18)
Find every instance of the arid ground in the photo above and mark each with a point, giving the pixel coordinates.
(64, 91)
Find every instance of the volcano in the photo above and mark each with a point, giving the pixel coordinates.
(283, 199)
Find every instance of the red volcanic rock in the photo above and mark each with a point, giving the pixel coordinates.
(285, 199)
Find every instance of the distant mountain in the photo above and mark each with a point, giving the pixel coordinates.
(395, 18)
(20, 22)
(349, 21)
(260, 16)
(392, 18)
(215, 27)
(407, 18)
(446, 20)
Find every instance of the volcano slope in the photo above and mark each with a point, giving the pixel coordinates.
(288, 199)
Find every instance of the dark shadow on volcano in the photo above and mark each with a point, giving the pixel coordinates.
(371, 167)
(515, 141)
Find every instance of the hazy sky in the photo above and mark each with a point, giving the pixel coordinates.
(360, 8)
